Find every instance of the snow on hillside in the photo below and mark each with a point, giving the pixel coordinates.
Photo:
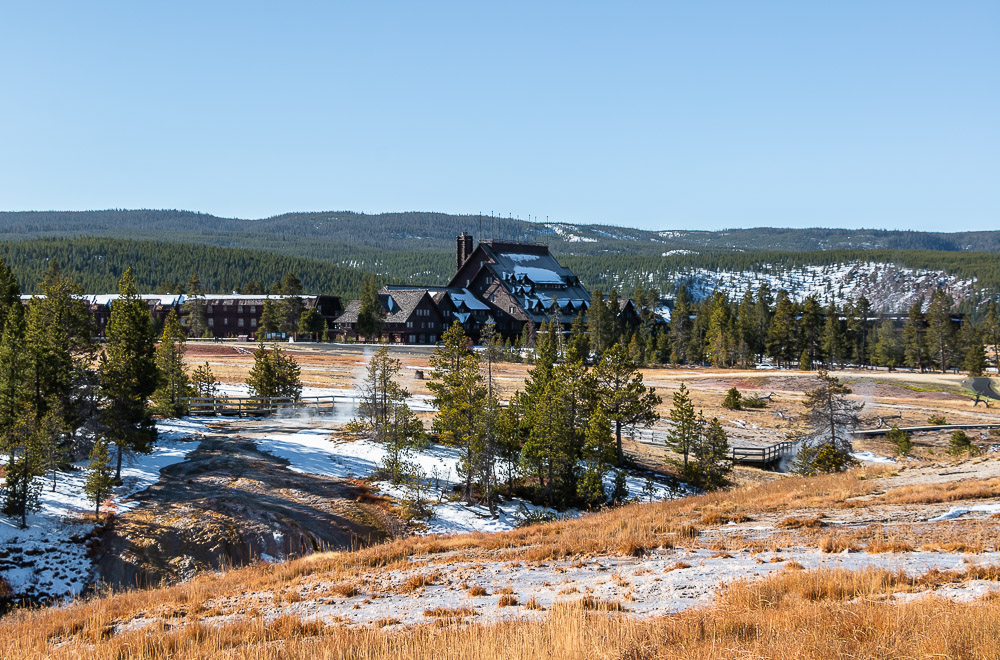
(311, 450)
(888, 287)
(49, 557)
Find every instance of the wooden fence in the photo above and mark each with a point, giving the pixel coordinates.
(759, 456)
(250, 406)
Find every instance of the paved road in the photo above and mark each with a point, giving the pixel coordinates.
(983, 386)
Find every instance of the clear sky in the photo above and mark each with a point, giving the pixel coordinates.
(662, 115)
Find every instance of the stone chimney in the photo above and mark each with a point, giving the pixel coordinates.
(463, 250)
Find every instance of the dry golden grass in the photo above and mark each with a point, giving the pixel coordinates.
(477, 590)
(793, 614)
(801, 523)
(934, 493)
(449, 612)
(507, 600)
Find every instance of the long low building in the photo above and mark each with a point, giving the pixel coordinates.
(227, 315)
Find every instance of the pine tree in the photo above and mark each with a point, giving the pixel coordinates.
(194, 308)
(833, 417)
(173, 384)
(888, 346)
(680, 328)
(975, 355)
(781, 332)
(811, 330)
(291, 307)
(598, 452)
(831, 342)
(914, 337)
(204, 381)
(311, 324)
(128, 374)
(100, 479)
(578, 347)
(370, 314)
(684, 433)
(548, 450)
(710, 455)
(716, 340)
(274, 374)
(270, 320)
(460, 397)
(940, 332)
(991, 330)
(621, 393)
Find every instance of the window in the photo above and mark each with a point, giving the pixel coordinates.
(225, 321)
(211, 322)
(511, 310)
(240, 322)
(409, 324)
(413, 339)
(253, 309)
(253, 323)
(208, 308)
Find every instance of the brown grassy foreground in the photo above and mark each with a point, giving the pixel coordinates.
(793, 614)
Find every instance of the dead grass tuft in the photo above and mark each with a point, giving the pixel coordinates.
(801, 523)
(507, 600)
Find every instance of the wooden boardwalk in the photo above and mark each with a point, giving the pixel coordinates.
(765, 457)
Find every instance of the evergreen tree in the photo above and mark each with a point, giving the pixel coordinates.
(991, 331)
(733, 400)
(128, 374)
(781, 332)
(717, 345)
(811, 330)
(100, 479)
(914, 338)
(291, 307)
(270, 320)
(204, 381)
(10, 293)
(975, 355)
(194, 308)
(622, 395)
(578, 347)
(370, 314)
(711, 463)
(833, 417)
(680, 328)
(173, 382)
(888, 346)
(598, 452)
(940, 332)
(833, 348)
(460, 397)
(684, 433)
(274, 374)
(901, 439)
(549, 451)
(311, 324)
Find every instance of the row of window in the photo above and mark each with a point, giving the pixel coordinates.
(239, 309)
(239, 322)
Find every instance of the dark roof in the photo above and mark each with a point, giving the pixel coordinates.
(397, 305)
(536, 279)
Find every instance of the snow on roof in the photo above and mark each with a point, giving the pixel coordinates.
(470, 300)
(538, 275)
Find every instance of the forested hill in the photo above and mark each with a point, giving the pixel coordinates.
(98, 263)
(891, 280)
(336, 235)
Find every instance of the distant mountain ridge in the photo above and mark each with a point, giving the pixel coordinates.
(303, 234)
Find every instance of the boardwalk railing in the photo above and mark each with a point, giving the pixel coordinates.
(760, 455)
(927, 429)
(746, 455)
(249, 406)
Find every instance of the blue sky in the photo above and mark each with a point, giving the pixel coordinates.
(661, 115)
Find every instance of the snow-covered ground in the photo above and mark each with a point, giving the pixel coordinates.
(887, 286)
(50, 556)
(310, 450)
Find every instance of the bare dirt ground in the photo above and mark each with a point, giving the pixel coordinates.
(230, 504)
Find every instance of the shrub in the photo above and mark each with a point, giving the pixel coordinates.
(733, 400)
(937, 419)
(961, 443)
(901, 439)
